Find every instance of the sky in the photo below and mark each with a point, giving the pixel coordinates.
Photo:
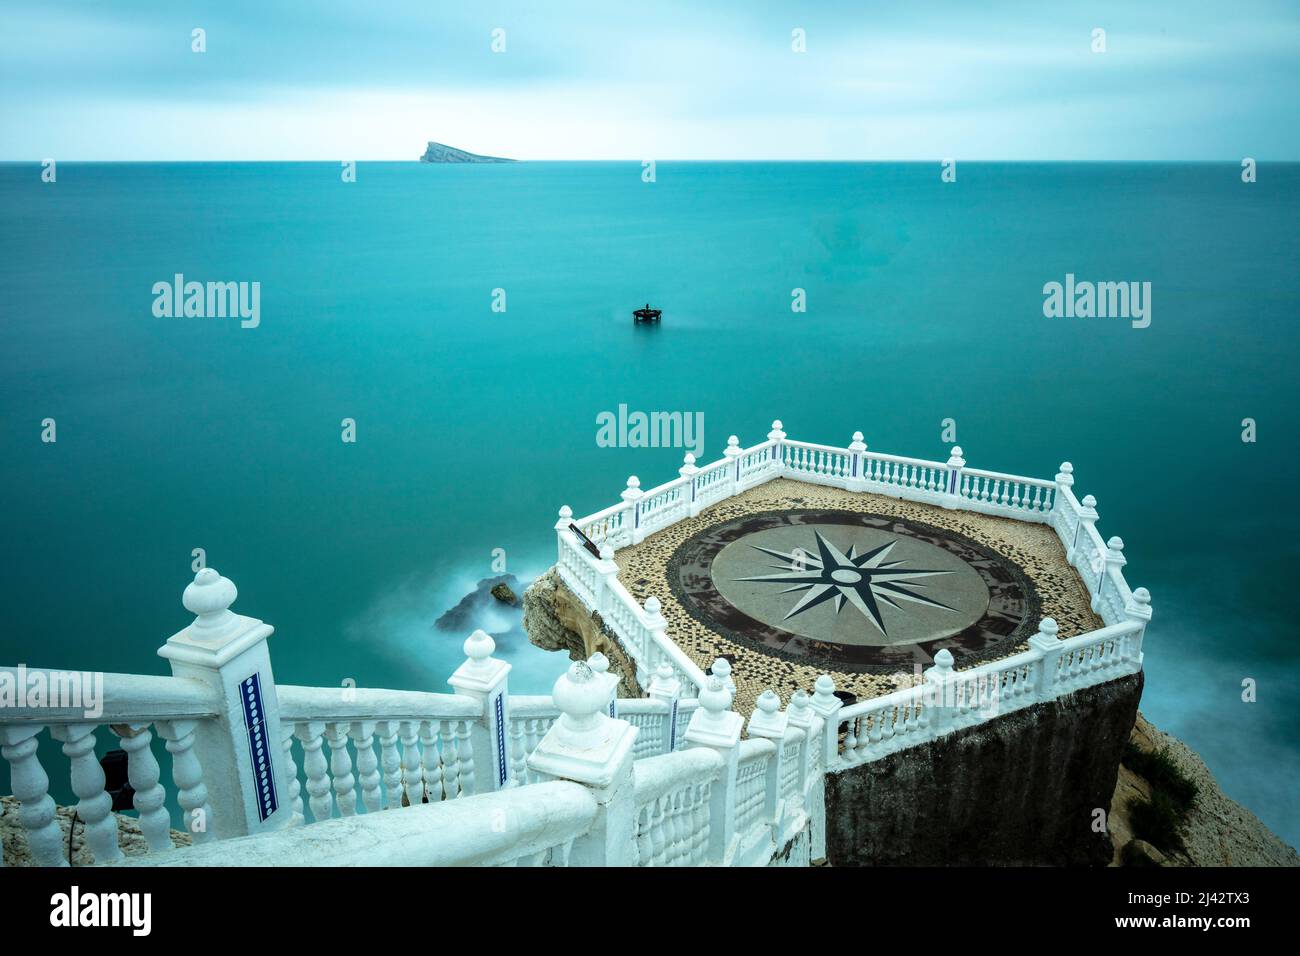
(896, 80)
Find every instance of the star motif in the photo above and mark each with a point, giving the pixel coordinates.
(861, 580)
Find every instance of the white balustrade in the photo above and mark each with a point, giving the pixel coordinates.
(132, 706)
(672, 793)
(751, 786)
(659, 781)
(530, 826)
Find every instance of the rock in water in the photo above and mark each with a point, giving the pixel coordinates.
(464, 617)
(503, 594)
(441, 153)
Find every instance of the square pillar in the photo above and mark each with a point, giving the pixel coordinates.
(239, 750)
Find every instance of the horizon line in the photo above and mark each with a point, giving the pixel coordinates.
(506, 161)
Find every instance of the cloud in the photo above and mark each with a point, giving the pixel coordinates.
(584, 80)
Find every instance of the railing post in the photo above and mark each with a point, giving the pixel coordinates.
(1138, 609)
(826, 705)
(940, 692)
(1046, 645)
(561, 526)
(667, 688)
(656, 626)
(633, 494)
(857, 480)
(808, 795)
(769, 721)
(1112, 557)
(1087, 516)
(606, 571)
(483, 678)
(777, 437)
(588, 747)
(1064, 481)
(952, 498)
(800, 712)
(733, 453)
(716, 726)
(246, 784)
(721, 667)
(689, 471)
(599, 665)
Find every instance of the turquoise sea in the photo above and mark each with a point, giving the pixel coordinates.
(924, 302)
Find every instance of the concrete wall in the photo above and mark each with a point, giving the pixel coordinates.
(1022, 789)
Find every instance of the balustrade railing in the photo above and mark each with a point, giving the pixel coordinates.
(671, 794)
(137, 714)
(897, 720)
(252, 761)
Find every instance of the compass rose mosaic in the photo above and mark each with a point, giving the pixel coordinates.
(852, 591)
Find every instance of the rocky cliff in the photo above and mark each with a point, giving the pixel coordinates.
(1024, 788)
(441, 153)
(1214, 831)
(557, 621)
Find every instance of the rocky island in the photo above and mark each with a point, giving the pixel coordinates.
(442, 153)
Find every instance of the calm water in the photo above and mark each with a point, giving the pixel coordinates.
(924, 302)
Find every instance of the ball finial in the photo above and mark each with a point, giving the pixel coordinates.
(479, 646)
(209, 597)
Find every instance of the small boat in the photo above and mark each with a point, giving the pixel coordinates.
(647, 314)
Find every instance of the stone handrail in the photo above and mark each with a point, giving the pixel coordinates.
(343, 751)
(336, 704)
(113, 698)
(722, 801)
(949, 700)
(671, 795)
(532, 826)
(134, 708)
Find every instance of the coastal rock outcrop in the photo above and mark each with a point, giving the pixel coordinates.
(488, 593)
(442, 153)
(1024, 788)
(555, 620)
(1216, 830)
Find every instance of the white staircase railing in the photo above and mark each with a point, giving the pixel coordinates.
(720, 801)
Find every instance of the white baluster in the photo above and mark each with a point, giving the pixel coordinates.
(362, 733)
(433, 779)
(143, 773)
(465, 755)
(388, 730)
(31, 786)
(296, 817)
(94, 805)
(345, 794)
(518, 765)
(412, 770)
(311, 734)
(187, 774)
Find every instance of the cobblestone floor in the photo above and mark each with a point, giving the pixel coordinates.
(1034, 548)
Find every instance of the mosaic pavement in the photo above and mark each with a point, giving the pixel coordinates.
(789, 580)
